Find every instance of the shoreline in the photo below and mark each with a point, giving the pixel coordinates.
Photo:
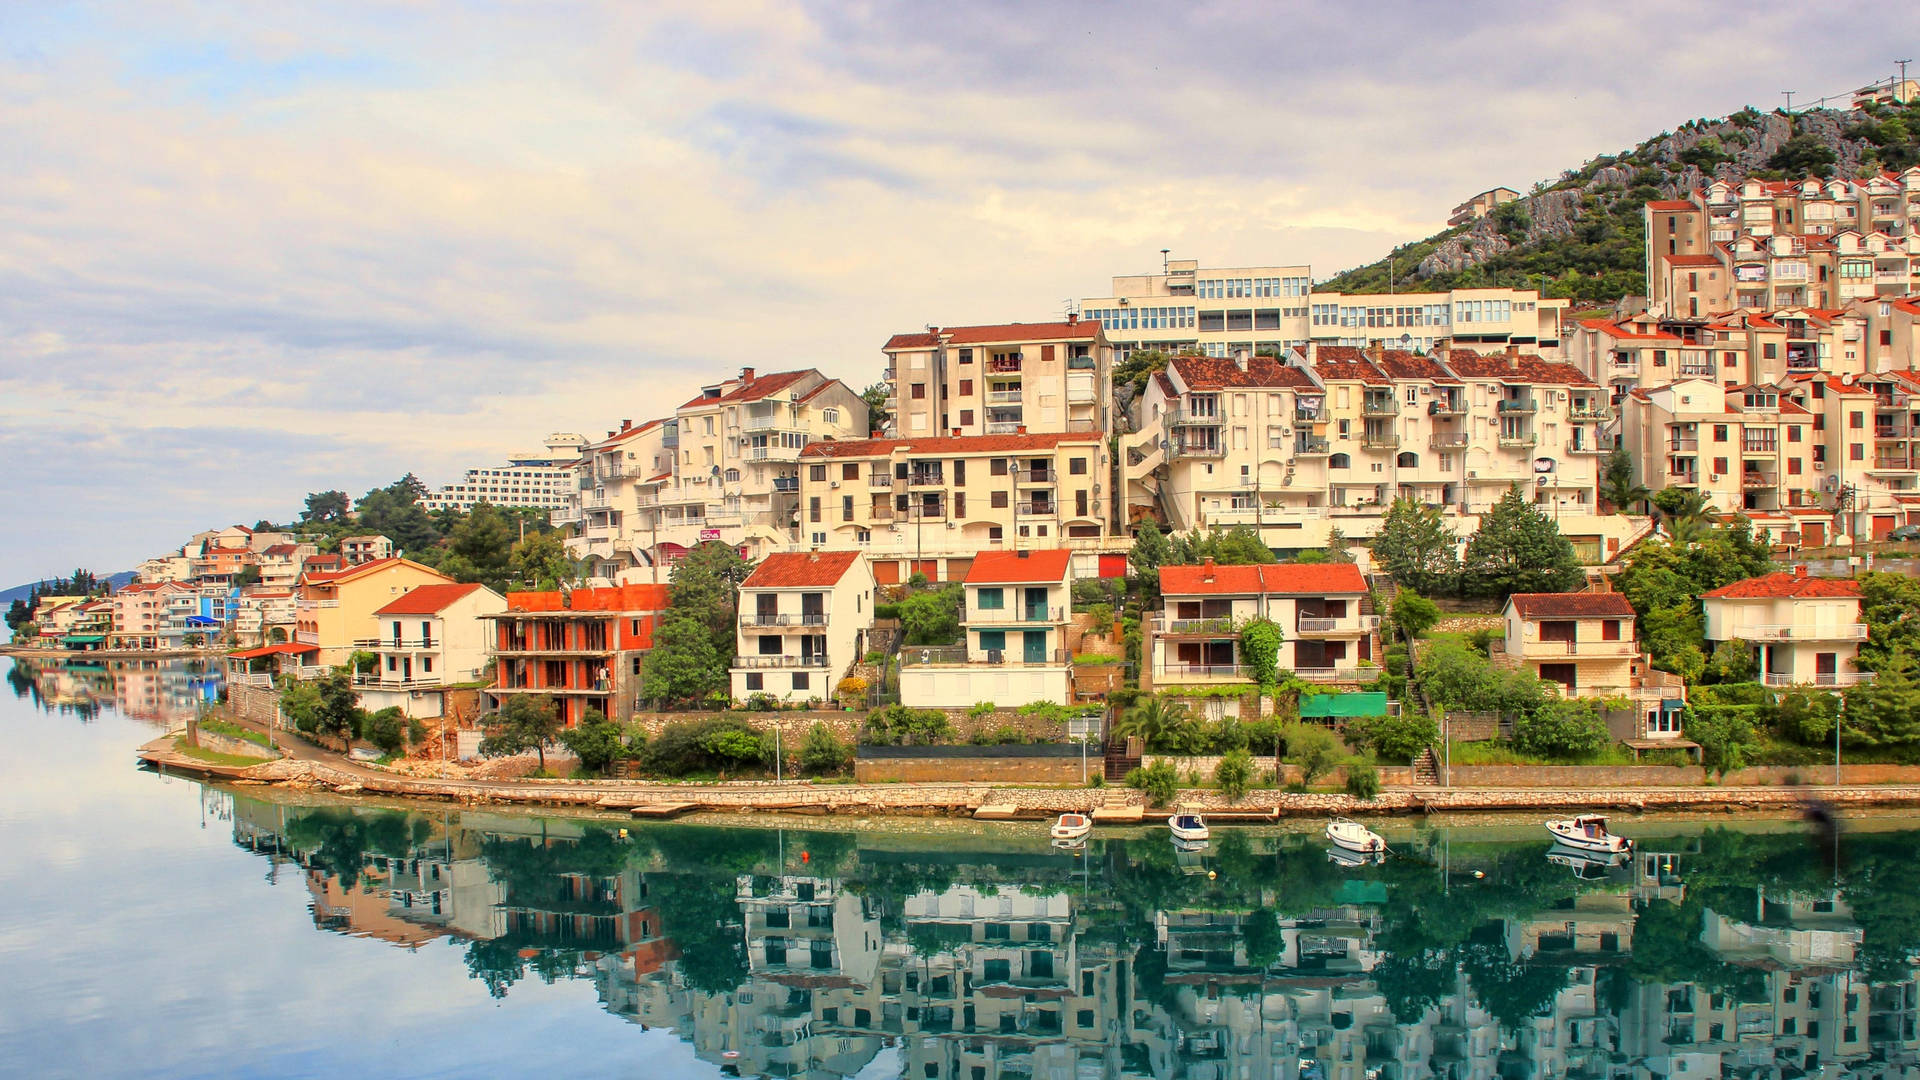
(995, 802)
(29, 653)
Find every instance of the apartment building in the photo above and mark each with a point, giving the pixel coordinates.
(1807, 630)
(264, 609)
(334, 610)
(1329, 632)
(365, 549)
(581, 647)
(431, 637)
(280, 564)
(152, 615)
(1740, 347)
(803, 622)
(1746, 448)
(539, 480)
(1893, 332)
(1014, 643)
(614, 476)
(1015, 378)
(1219, 311)
(929, 505)
(1481, 205)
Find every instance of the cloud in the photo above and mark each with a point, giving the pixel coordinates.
(359, 239)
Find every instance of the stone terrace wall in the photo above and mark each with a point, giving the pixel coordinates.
(1390, 775)
(254, 703)
(1577, 776)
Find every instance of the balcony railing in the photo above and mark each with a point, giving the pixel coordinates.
(880, 481)
(1587, 410)
(773, 453)
(1449, 440)
(927, 478)
(1759, 480)
(1003, 397)
(1036, 509)
(1581, 647)
(1311, 446)
(1446, 407)
(1183, 448)
(1003, 427)
(1018, 614)
(1189, 418)
(1825, 678)
(787, 484)
(755, 618)
(1380, 406)
(1171, 670)
(770, 422)
(396, 643)
(1036, 476)
(1518, 439)
(1309, 416)
(1210, 627)
(1379, 440)
(1320, 625)
(1004, 366)
(379, 682)
(1590, 446)
(1759, 446)
(1683, 445)
(1334, 674)
(1523, 405)
(1791, 632)
(816, 660)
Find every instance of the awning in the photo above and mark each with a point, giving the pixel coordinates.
(1332, 706)
(83, 639)
(284, 648)
(201, 620)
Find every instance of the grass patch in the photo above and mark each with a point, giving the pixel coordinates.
(214, 757)
(235, 731)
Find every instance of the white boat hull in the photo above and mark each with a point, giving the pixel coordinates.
(1569, 835)
(1072, 830)
(1355, 838)
(1190, 834)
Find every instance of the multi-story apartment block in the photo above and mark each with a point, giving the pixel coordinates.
(1328, 631)
(583, 648)
(1806, 629)
(432, 637)
(264, 609)
(1481, 205)
(1013, 626)
(1739, 347)
(1893, 332)
(1012, 379)
(1331, 435)
(152, 615)
(929, 505)
(280, 564)
(539, 480)
(613, 478)
(1746, 448)
(1272, 308)
(803, 620)
(365, 549)
(334, 610)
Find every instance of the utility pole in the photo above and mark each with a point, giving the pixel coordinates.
(1789, 94)
(1900, 90)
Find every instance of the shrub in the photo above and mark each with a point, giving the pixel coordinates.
(1363, 780)
(1260, 651)
(1159, 780)
(596, 741)
(1234, 774)
(982, 709)
(1102, 615)
(762, 702)
(876, 656)
(897, 725)
(822, 754)
(706, 745)
(416, 731)
(852, 689)
(386, 729)
(1395, 738)
(1312, 749)
(1045, 711)
(1562, 729)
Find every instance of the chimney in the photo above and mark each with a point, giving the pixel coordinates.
(1072, 317)
(1020, 554)
(1313, 352)
(1020, 430)
(813, 555)
(746, 374)
(1800, 570)
(1377, 350)
(1206, 569)
(626, 425)
(1240, 359)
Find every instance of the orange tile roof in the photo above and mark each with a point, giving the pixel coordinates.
(760, 386)
(1691, 260)
(623, 435)
(801, 570)
(1345, 363)
(1588, 605)
(1670, 204)
(1285, 579)
(1783, 584)
(1018, 567)
(1524, 368)
(1218, 373)
(1004, 332)
(426, 599)
(948, 444)
(1401, 364)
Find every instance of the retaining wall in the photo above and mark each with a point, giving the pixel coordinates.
(1390, 775)
(1045, 764)
(257, 704)
(1577, 776)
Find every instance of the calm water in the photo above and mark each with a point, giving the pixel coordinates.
(151, 926)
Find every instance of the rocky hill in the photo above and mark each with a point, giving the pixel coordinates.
(1582, 237)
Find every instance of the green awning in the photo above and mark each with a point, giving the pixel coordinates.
(1341, 706)
(83, 639)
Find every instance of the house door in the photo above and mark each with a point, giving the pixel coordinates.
(1036, 605)
(406, 669)
(1035, 647)
(1825, 667)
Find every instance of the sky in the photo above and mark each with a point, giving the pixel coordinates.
(251, 251)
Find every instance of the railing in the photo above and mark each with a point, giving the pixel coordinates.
(771, 421)
(1826, 678)
(1333, 674)
(773, 453)
(879, 481)
(376, 682)
(917, 655)
(1174, 669)
(754, 618)
(1003, 367)
(395, 643)
(1188, 627)
(1189, 418)
(1036, 509)
(1023, 614)
(1527, 439)
(933, 654)
(1377, 406)
(1511, 406)
(1683, 446)
(1759, 446)
(1313, 624)
(1003, 428)
(306, 637)
(1036, 476)
(1309, 416)
(1379, 440)
(1590, 446)
(1182, 448)
(1311, 445)
(1758, 480)
(1590, 411)
(1791, 632)
(1885, 461)
(1446, 407)
(1003, 397)
(927, 478)
(1588, 647)
(818, 660)
(786, 483)
(1449, 440)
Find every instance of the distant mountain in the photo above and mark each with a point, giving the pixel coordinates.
(1584, 232)
(21, 592)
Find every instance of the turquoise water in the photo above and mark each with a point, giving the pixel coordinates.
(153, 926)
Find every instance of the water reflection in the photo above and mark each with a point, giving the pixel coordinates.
(159, 691)
(967, 956)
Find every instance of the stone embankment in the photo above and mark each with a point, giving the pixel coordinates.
(965, 798)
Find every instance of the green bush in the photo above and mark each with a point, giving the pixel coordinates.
(1363, 780)
(1260, 651)
(1046, 711)
(981, 709)
(1312, 749)
(386, 729)
(1234, 774)
(1004, 735)
(897, 725)
(1159, 780)
(824, 755)
(1394, 738)
(884, 611)
(596, 741)
(761, 702)
(706, 745)
(1562, 729)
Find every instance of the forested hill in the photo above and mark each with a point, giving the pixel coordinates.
(1583, 232)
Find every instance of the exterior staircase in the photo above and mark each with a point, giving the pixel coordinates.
(1426, 769)
(1123, 756)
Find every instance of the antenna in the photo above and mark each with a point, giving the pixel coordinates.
(1164, 252)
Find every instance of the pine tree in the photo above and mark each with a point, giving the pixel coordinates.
(1416, 547)
(1520, 549)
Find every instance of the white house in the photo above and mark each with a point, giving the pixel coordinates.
(431, 637)
(1807, 630)
(1014, 625)
(1317, 606)
(803, 622)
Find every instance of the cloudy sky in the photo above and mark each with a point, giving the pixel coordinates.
(249, 251)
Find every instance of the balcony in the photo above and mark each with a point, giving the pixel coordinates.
(1218, 626)
(1683, 444)
(773, 453)
(1003, 397)
(1516, 406)
(1035, 477)
(1590, 410)
(1892, 463)
(1446, 407)
(1036, 509)
(1590, 446)
(1380, 406)
(1518, 439)
(750, 663)
(786, 484)
(1823, 678)
(1759, 446)
(1184, 448)
(1311, 446)
(1759, 480)
(1790, 632)
(1319, 626)
(1353, 673)
(1313, 415)
(1449, 440)
(880, 481)
(1004, 365)
(1189, 418)
(391, 644)
(757, 619)
(379, 682)
(927, 478)
(1176, 671)
(771, 422)
(1025, 613)
(1003, 427)
(1587, 648)
(1380, 440)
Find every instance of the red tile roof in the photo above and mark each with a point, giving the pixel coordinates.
(961, 444)
(754, 389)
(426, 600)
(1219, 373)
(621, 436)
(1284, 579)
(1018, 567)
(1523, 368)
(1671, 204)
(1557, 605)
(1347, 364)
(280, 549)
(1004, 332)
(801, 570)
(1783, 584)
(1691, 260)
(284, 648)
(1401, 364)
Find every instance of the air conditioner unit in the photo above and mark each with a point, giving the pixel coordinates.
(1819, 466)
(833, 484)
(1714, 478)
(1473, 474)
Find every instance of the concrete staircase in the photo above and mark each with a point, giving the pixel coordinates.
(1123, 756)
(1426, 769)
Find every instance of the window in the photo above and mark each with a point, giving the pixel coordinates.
(991, 600)
(966, 417)
(1857, 452)
(802, 681)
(813, 509)
(846, 508)
(966, 387)
(998, 467)
(1793, 432)
(999, 500)
(1793, 466)
(850, 471)
(1719, 433)
(756, 681)
(1077, 466)
(1855, 421)
(1720, 465)
(817, 473)
(959, 504)
(919, 391)
(966, 356)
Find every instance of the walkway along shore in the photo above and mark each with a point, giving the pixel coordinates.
(310, 768)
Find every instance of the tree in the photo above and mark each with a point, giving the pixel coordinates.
(706, 588)
(1395, 738)
(386, 729)
(734, 747)
(1414, 614)
(324, 507)
(596, 741)
(1339, 549)
(1139, 366)
(541, 562)
(18, 613)
(823, 755)
(1732, 662)
(1160, 780)
(480, 547)
(1520, 549)
(1234, 774)
(932, 616)
(1725, 736)
(324, 707)
(1415, 546)
(1238, 546)
(1890, 606)
(1312, 749)
(1150, 552)
(394, 512)
(1686, 513)
(877, 415)
(525, 722)
(1154, 720)
(1562, 729)
(683, 665)
(1804, 155)
(1260, 651)
(1807, 716)
(1886, 711)
(1618, 488)
(248, 575)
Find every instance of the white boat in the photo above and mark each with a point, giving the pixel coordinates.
(1587, 832)
(1340, 856)
(1355, 837)
(1188, 828)
(1587, 865)
(1072, 827)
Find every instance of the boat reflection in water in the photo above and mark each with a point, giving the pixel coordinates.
(956, 955)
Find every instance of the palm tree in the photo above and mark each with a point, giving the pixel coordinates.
(1686, 512)
(1617, 486)
(1153, 720)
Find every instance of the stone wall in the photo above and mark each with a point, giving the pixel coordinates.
(227, 744)
(255, 703)
(793, 726)
(1578, 776)
(1007, 770)
(1390, 775)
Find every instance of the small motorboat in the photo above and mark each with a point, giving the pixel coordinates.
(1587, 865)
(1072, 827)
(1340, 856)
(1355, 837)
(1189, 828)
(1587, 832)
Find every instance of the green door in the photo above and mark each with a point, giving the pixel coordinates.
(1036, 605)
(1036, 647)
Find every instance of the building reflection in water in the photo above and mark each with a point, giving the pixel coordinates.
(1718, 952)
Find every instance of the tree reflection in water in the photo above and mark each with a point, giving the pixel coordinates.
(790, 952)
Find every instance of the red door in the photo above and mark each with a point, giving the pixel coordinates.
(1882, 525)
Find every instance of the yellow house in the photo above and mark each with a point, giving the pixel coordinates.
(335, 608)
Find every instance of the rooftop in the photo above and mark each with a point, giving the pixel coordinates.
(1285, 579)
(1018, 567)
(1004, 332)
(801, 570)
(427, 599)
(1783, 585)
(1586, 605)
